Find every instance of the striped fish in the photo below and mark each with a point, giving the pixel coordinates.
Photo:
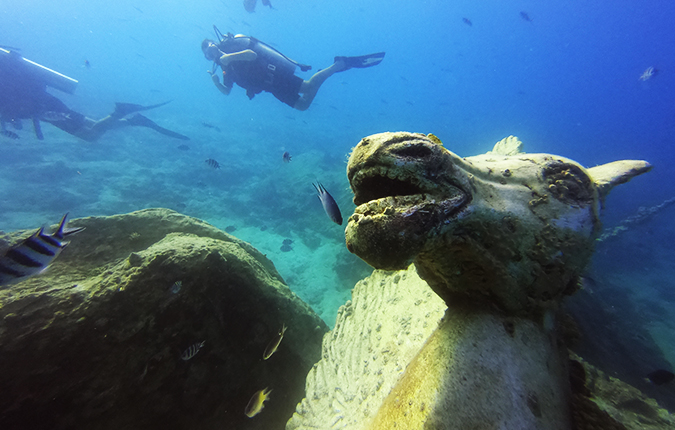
(212, 163)
(192, 351)
(9, 134)
(34, 254)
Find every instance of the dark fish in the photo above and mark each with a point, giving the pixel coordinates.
(192, 351)
(525, 16)
(467, 21)
(175, 288)
(230, 229)
(267, 3)
(661, 376)
(207, 125)
(286, 156)
(212, 163)
(34, 254)
(286, 248)
(257, 403)
(183, 147)
(249, 5)
(87, 64)
(9, 134)
(274, 343)
(288, 241)
(328, 202)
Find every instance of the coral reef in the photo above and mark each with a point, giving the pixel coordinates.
(104, 340)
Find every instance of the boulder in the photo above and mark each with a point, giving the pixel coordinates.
(152, 320)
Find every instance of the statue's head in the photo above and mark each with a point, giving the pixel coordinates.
(514, 231)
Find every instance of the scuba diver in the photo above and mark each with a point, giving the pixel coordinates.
(257, 67)
(23, 95)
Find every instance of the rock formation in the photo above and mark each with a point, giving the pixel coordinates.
(98, 341)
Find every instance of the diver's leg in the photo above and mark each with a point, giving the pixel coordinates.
(309, 88)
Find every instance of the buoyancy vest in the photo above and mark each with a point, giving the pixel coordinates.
(262, 74)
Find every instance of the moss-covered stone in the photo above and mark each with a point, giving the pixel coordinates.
(96, 342)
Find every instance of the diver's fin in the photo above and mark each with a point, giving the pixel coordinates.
(38, 128)
(143, 121)
(363, 61)
(124, 109)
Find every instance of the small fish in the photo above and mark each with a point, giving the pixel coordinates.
(525, 16)
(192, 351)
(212, 163)
(661, 376)
(175, 288)
(183, 147)
(648, 74)
(207, 125)
(288, 241)
(249, 5)
(286, 157)
(87, 64)
(257, 403)
(329, 205)
(467, 21)
(267, 3)
(9, 134)
(34, 254)
(286, 248)
(274, 343)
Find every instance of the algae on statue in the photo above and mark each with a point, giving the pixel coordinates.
(501, 238)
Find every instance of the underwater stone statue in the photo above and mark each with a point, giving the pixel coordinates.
(501, 239)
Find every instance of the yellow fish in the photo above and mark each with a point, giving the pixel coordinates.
(256, 404)
(274, 343)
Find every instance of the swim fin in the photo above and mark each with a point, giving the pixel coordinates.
(124, 109)
(142, 121)
(363, 61)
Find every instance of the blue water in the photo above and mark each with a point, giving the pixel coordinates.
(565, 83)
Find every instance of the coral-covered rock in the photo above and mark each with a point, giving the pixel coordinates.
(152, 320)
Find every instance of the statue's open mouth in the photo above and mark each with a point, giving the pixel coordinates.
(390, 191)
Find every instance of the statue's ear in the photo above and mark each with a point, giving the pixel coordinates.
(607, 176)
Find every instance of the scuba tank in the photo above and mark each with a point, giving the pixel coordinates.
(276, 61)
(50, 77)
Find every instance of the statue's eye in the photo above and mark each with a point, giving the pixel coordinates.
(412, 150)
(568, 183)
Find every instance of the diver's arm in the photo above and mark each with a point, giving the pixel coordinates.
(222, 88)
(245, 55)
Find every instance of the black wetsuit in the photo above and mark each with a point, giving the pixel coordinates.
(271, 71)
(24, 97)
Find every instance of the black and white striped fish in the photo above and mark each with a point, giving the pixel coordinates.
(9, 134)
(212, 163)
(192, 351)
(34, 254)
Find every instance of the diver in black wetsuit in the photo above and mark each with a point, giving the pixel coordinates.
(257, 67)
(23, 95)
